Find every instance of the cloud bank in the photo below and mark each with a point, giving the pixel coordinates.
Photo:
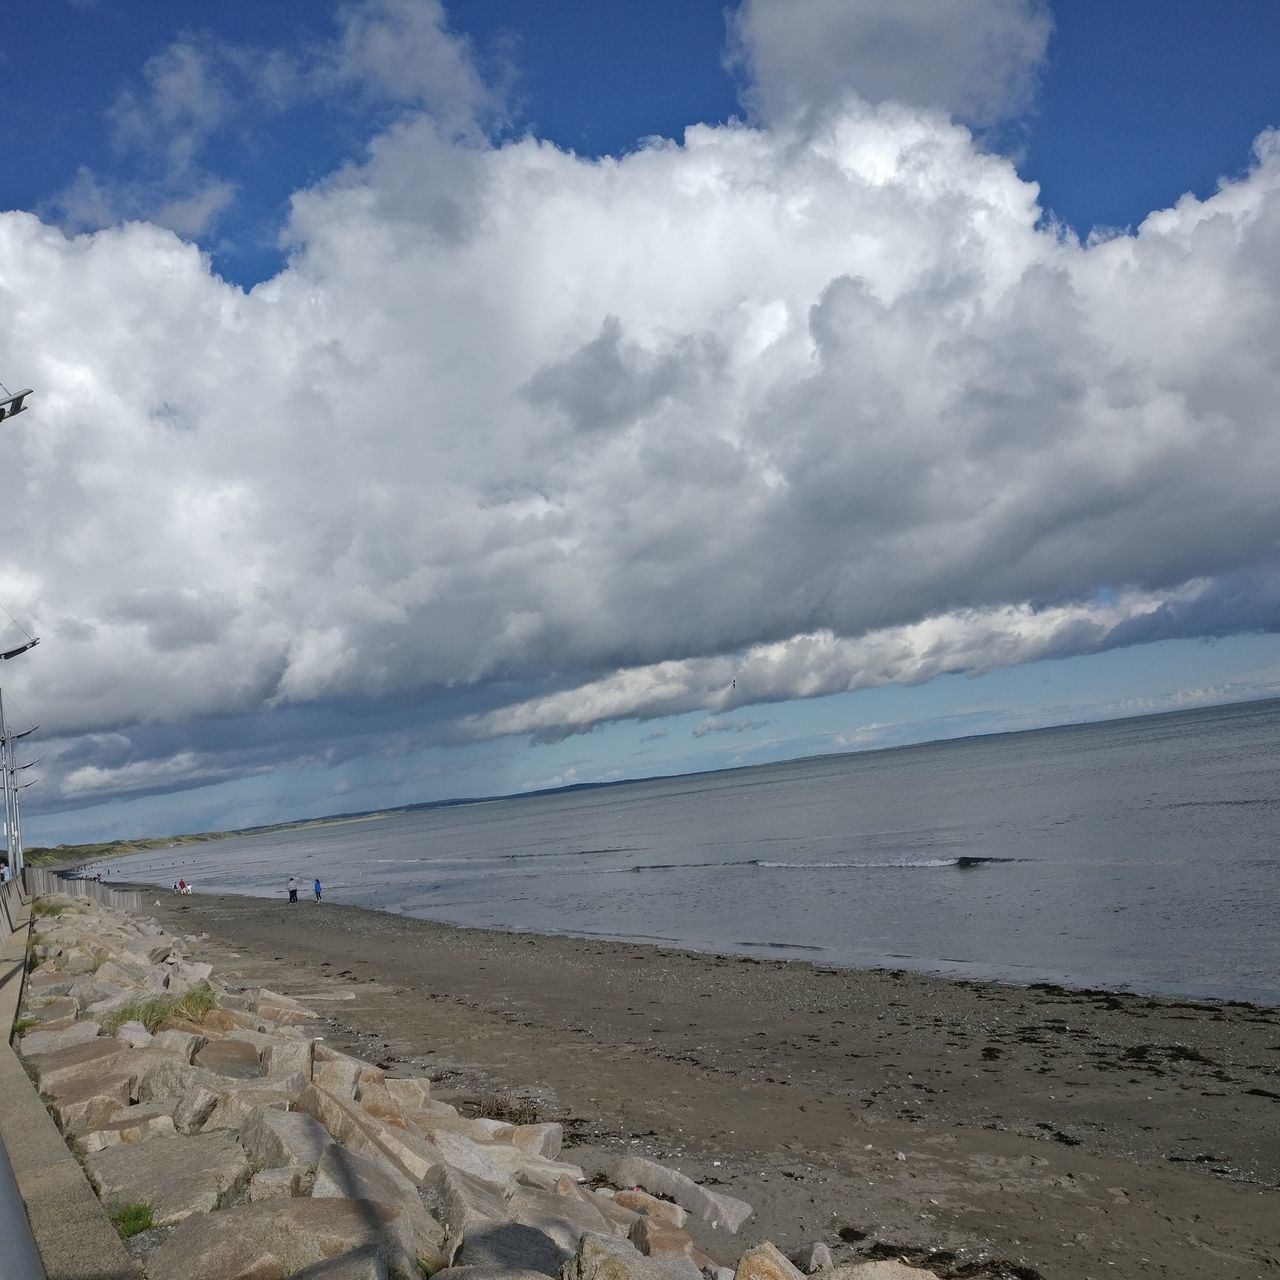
(520, 442)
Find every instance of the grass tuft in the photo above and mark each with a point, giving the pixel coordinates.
(152, 1011)
(130, 1219)
(507, 1106)
(43, 907)
(23, 1025)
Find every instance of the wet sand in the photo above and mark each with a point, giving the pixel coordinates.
(984, 1130)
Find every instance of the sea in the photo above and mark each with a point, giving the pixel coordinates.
(1139, 855)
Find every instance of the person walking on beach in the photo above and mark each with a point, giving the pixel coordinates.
(293, 889)
(317, 888)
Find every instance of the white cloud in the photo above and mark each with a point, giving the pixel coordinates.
(726, 724)
(976, 59)
(531, 442)
(201, 89)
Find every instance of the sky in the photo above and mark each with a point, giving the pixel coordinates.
(454, 400)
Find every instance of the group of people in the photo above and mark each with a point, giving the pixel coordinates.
(182, 887)
(293, 889)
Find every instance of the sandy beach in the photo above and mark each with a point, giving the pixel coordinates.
(982, 1130)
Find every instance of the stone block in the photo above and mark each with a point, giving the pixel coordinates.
(337, 1077)
(601, 1257)
(765, 1262)
(708, 1206)
(513, 1246)
(194, 1108)
(284, 1183)
(563, 1218)
(175, 1176)
(287, 1057)
(275, 1138)
(343, 1174)
(184, 976)
(410, 1093)
(278, 1238)
(813, 1257)
(658, 1239)
(57, 1009)
(486, 1273)
(49, 983)
(363, 1264)
(103, 1055)
(224, 1020)
(90, 1102)
(620, 1218)
(282, 1010)
(113, 971)
(133, 1124)
(183, 1044)
(486, 1162)
(48, 1041)
(231, 1058)
(543, 1140)
(134, 1034)
(463, 1201)
(652, 1207)
(89, 991)
(165, 1075)
(235, 1106)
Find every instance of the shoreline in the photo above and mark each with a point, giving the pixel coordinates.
(963, 972)
(1065, 1131)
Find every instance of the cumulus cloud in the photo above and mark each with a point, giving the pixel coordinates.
(519, 442)
(200, 90)
(978, 60)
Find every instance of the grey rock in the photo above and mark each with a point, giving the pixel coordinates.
(175, 1176)
(232, 1058)
(185, 1044)
(486, 1273)
(463, 1201)
(512, 1246)
(103, 1055)
(194, 1108)
(363, 1264)
(602, 1257)
(274, 1138)
(132, 1124)
(564, 1218)
(277, 1184)
(284, 1237)
(710, 1206)
(48, 1041)
(134, 1034)
(813, 1257)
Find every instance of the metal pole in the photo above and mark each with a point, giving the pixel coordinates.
(8, 791)
(21, 1257)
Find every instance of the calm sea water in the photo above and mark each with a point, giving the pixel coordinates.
(1139, 854)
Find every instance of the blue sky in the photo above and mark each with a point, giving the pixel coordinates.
(550, 468)
(1137, 102)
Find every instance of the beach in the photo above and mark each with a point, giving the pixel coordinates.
(1056, 1133)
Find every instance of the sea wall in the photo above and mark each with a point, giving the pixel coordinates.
(230, 1140)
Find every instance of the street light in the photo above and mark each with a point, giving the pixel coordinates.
(10, 406)
(13, 404)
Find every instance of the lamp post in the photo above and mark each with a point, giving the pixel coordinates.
(10, 406)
